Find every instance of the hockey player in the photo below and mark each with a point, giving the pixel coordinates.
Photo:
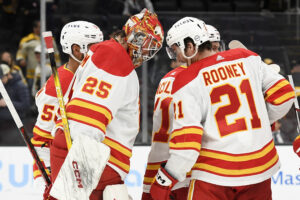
(214, 38)
(76, 37)
(162, 122)
(104, 110)
(224, 104)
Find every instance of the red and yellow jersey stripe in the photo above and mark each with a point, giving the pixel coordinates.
(119, 154)
(151, 171)
(41, 137)
(280, 92)
(186, 138)
(37, 172)
(89, 113)
(237, 165)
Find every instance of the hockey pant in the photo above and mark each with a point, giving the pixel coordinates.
(178, 194)
(58, 153)
(208, 191)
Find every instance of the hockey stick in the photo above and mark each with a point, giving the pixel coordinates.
(23, 132)
(296, 104)
(234, 44)
(49, 44)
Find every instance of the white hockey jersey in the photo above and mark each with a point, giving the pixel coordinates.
(47, 104)
(162, 122)
(104, 103)
(226, 103)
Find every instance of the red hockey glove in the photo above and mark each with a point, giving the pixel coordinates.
(146, 196)
(296, 145)
(161, 188)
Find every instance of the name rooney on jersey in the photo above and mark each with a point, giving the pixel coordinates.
(223, 73)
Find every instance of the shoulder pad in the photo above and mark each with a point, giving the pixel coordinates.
(111, 57)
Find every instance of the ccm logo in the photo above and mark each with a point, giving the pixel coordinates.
(77, 174)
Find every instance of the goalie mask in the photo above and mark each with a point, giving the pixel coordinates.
(144, 35)
(187, 27)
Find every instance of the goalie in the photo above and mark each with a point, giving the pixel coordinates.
(103, 114)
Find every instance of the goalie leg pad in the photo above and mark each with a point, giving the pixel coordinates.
(109, 177)
(81, 170)
(112, 192)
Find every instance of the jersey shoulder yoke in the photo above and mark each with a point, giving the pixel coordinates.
(111, 57)
(193, 70)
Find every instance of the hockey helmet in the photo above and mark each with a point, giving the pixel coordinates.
(214, 35)
(187, 27)
(81, 33)
(144, 35)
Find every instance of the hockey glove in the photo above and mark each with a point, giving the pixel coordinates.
(296, 145)
(161, 188)
(146, 196)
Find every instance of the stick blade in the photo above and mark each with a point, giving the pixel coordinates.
(234, 44)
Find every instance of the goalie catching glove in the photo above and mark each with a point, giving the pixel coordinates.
(296, 145)
(161, 188)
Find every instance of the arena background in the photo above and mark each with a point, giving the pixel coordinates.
(270, 28)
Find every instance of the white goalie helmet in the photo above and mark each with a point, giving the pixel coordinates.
(214, 35)
(186, 27)
(81, 33)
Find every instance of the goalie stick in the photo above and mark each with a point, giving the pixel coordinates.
(49, 44)
(237, 44)
(23, 132)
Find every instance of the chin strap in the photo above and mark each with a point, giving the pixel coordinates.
(189, 57)
(72, 56)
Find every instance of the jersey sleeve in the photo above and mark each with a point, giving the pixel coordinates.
(42, 130)
(47, 104)
(47, 107)
(162, 120)
(162, 126)
(186, 137)
(278, 93)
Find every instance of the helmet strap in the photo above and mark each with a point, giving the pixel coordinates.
(189, 57)
(72, 56)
